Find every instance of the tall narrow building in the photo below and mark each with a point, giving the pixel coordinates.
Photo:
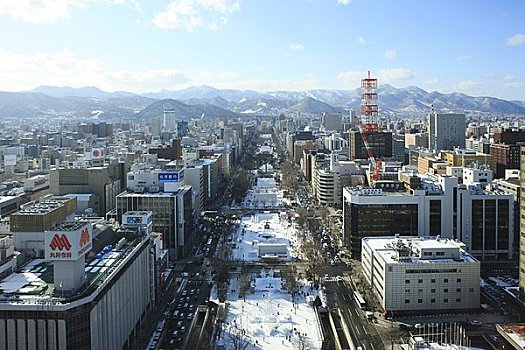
(446, 131)
(169, 122)
(522, 225)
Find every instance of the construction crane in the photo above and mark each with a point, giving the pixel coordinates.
(368, 123)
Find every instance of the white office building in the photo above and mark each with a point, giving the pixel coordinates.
(482, 218)
(413, 274)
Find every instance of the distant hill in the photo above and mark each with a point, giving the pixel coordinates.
(182, 110)
(197, 100)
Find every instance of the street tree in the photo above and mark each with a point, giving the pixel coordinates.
(236, 337)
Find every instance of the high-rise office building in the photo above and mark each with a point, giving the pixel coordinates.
(522, 226)
(482, 219)
(105, 181)
(379, 141)
(446, 131)
(332, 122)
(169, 122)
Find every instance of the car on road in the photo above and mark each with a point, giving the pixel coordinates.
(190, 316)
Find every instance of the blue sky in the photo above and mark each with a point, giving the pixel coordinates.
(474, 47)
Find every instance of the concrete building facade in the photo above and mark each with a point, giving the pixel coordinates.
(446, 131)
(482, 219)
(410, 274)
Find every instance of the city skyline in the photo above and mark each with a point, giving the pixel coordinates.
(470, 47)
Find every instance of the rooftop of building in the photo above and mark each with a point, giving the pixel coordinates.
(513, 332)
(160, 194)
(43, 206)
(34, 284)
(67, 226)
(394, 249)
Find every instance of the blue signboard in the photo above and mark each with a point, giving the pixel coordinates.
(170, 177)
(133, 220)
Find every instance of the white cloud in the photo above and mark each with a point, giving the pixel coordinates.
(25, 71)
(296, 47)
(390, 53)
(510, 81)
(40, 11)
(50, 11)
(515, 40)
(21, 71)
(468, 86)
(389, 75)
(360, 40)
(344, 2)
(514, 84)
(192, 14)
(431, 81)
(350, 79)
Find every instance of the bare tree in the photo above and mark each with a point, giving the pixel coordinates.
(314, 262)
(245, 284)
(291, 281)
(236, 337)
(301, 341)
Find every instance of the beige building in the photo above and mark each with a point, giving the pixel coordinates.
(414, 274)
(467, 158)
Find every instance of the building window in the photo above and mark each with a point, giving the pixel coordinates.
(407, 281)
(440, 253)
(471, 290)
(458, 300)
(420, 290)
(420, 281)
(407, 290)
(432, 300)
(445, 300)
(458, 290)
(458, 280)
(407, 301)
(420, 301)
(432, 290)
(433, 280)
(445, 280)
(445, 290)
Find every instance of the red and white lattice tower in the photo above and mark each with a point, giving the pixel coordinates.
(369, 124)
(369, 107)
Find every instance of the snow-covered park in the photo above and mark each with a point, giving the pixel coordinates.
(268, 318)
(264, 236)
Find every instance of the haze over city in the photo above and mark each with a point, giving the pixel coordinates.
(473, 47)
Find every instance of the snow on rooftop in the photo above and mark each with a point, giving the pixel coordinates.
(387, 248)
(15, 281)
